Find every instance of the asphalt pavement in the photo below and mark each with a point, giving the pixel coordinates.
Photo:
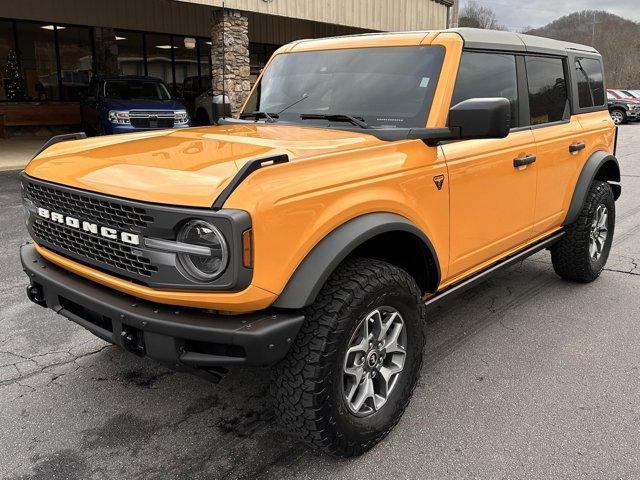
(525, 376)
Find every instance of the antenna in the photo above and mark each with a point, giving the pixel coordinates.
(224, 66)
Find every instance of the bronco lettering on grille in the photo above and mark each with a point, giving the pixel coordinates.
(94, 228)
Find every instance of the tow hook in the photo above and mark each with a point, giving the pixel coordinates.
(132, 340)
(36, 295)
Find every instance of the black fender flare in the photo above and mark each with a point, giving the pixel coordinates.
(597, 162)
(309, 277)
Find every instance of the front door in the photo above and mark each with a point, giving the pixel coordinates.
(492, 182)
(492, 198)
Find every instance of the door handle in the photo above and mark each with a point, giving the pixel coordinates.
(524, 161)
(576, 147)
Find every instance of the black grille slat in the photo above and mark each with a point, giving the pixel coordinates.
(122, 217)
(98, 249)
(146, 123)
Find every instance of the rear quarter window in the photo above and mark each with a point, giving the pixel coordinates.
(590, 77)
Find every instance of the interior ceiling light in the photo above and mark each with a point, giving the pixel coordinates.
(189, 43)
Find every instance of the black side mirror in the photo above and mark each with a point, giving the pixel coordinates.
(481, 118)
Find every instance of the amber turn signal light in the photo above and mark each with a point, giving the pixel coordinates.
(247, 254)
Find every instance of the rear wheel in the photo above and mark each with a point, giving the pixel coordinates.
(583, 252)
(351, 371)
(619, 116)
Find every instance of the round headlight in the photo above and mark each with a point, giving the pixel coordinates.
(201, 267)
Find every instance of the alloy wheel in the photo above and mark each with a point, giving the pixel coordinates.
(374, 361)
(598, 233)
(617, 117)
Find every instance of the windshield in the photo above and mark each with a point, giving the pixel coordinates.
(135, 90)
(384, 87)
(630, 94)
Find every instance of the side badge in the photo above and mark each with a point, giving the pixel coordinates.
(439, 181)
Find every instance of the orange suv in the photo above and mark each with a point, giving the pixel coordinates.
(367, 178)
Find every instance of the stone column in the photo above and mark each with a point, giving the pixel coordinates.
(233, 27)
(106, 51)
(453, 21)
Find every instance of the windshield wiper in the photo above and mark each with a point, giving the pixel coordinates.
(336, 117)
(269, 117)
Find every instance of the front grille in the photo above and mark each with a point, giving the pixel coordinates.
(116, 215)
(98, 249)
(142, 119)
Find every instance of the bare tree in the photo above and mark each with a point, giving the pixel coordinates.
(475, 15)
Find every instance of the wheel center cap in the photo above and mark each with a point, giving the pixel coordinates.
(372, 359)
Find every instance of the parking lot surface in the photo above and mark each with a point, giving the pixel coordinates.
(525, 376)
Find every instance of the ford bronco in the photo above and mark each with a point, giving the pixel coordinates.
(367, 178)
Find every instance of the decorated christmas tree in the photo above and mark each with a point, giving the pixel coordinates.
(13, 81)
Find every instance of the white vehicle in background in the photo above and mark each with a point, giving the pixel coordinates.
(204, 113)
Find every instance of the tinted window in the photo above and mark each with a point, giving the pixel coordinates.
(590, 82)
(38, 60)
(76, 61)
(548, 99)
(11, 81)
(130, 53)
(488, 75)
(386, 86)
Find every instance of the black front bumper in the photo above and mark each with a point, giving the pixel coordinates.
(179, 337)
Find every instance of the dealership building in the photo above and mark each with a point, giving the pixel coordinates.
(50, 49)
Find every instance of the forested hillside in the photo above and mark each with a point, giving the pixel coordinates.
(617, 39)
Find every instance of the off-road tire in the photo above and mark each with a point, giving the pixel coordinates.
(570, 256)
(307, 384)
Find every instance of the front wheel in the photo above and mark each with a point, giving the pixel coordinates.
(351, 372)
(582, 253)
(619, 116)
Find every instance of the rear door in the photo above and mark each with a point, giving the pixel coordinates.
(559, 138)
(492, 199)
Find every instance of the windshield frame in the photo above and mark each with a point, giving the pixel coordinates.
(420, 119)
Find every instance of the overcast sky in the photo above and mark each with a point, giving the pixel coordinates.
(536, 13)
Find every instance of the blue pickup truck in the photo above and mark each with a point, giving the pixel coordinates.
(130, 104)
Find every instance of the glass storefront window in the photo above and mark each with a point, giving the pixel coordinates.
(204, 47)
(29, 69)
(11, 83)
(159, 58)
(130, 52)
(76, 61)
(259, 55)
(37, 50)
(186, 61)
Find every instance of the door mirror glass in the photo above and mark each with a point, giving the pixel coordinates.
(480, 118)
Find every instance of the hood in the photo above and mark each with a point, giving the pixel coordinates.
(187, 167)
(114, 104)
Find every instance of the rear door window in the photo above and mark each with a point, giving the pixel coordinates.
(590, 82)
(548, 97)
(483, 75)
